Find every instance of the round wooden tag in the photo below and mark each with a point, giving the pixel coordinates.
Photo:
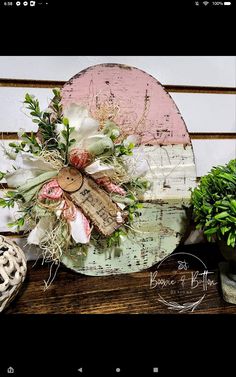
(70, 179)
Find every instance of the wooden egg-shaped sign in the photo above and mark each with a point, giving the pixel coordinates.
(139, 105)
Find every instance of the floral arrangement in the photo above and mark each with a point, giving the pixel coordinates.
(73, 156)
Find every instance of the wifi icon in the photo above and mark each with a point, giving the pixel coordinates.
(205, 2)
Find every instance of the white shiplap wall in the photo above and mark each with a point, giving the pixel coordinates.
(201, 112)
(179, 70)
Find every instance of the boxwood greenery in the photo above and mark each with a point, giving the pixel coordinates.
(214, 204)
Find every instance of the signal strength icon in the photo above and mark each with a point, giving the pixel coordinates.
(205, 2)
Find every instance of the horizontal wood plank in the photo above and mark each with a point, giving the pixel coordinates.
(24, 83)
(216, 71)
(201, 112)
(50, 84)
(212, 152)
(14, 115)
(193, 135)
(207, 113)
(199, 89)
(212, 135)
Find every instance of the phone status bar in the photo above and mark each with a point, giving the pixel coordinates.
(208, 4)
(24, 4)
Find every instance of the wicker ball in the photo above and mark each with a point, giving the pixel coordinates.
(12, 271)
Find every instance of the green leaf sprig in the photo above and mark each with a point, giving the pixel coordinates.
(64, 147)
(46, 120)
(214, 204)
(10, 199)
(2, 175)
(121, 149)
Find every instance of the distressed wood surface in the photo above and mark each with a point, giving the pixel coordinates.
(219, 149)
(139, 104)
(155, 235)
(73, 293)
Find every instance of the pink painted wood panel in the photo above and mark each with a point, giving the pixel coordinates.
(135, 100)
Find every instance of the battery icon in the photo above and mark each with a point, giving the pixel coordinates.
(227, 3)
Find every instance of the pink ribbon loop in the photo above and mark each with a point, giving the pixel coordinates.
(109, 186)
(69, 211)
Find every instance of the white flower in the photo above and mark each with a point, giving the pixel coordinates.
(99, 169)
(78, 117)
(131, 139)
(26, 160)
(18, 177)
(86, 131)
(115, 133)
(27, 167)
(40, 232)
(136, 165)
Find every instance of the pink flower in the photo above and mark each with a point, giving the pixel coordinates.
(51, 190)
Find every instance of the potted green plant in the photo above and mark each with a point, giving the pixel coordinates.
(214, 212)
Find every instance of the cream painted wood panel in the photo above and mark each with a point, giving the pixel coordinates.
(208, 153)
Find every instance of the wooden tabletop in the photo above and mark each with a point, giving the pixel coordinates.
(74, 293)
